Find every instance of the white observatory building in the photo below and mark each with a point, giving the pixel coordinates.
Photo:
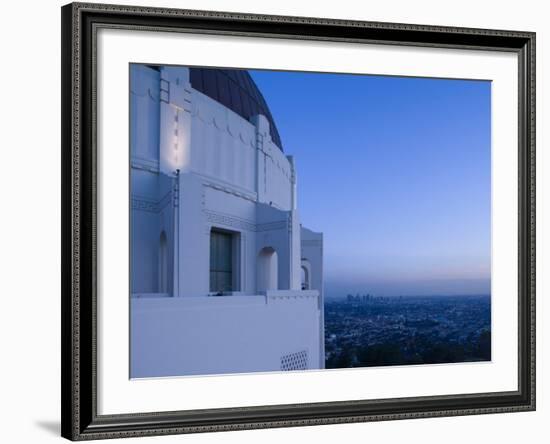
(224, 279)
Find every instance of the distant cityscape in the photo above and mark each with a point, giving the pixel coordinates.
(364, 330)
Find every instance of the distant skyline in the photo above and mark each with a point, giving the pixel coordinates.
(396, 172)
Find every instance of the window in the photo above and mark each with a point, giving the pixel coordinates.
(221, 261)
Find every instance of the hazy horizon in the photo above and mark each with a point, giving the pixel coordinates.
(391, 289)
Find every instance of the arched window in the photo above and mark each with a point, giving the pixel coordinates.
(305, 278)
(163, 263)
(268, 270)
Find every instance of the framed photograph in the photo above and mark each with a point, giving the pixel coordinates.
(282, 221)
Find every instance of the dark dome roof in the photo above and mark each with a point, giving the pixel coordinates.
(235, 89)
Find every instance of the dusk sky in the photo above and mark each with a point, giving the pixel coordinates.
(396, 172)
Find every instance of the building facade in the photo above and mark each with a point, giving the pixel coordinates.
(224, 278)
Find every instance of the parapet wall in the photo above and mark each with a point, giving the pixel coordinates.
(224, 334)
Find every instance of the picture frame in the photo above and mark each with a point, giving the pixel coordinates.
(80, 212)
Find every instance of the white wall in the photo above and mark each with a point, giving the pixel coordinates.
(151, 190)
(204, 205)
(144, 112)
(231, 176)
(30, 234)
(198, 335)
(312, 260)
(223, 144)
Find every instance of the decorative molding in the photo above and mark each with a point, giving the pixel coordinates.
(149, 93)
(290, 295)
(270, 226)
(141, 203)
(164, 201)
(284, 19)
(164, 91)
(144, 205)
(140, 163)
(215, 217)
(229, 189)
(222, 124)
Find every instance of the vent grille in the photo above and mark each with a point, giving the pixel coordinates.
(294, 361)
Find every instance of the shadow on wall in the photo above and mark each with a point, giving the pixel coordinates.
(268, 269)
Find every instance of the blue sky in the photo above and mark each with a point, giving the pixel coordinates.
(396, 172)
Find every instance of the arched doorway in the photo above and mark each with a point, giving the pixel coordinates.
(268, 270)
(163, 263)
